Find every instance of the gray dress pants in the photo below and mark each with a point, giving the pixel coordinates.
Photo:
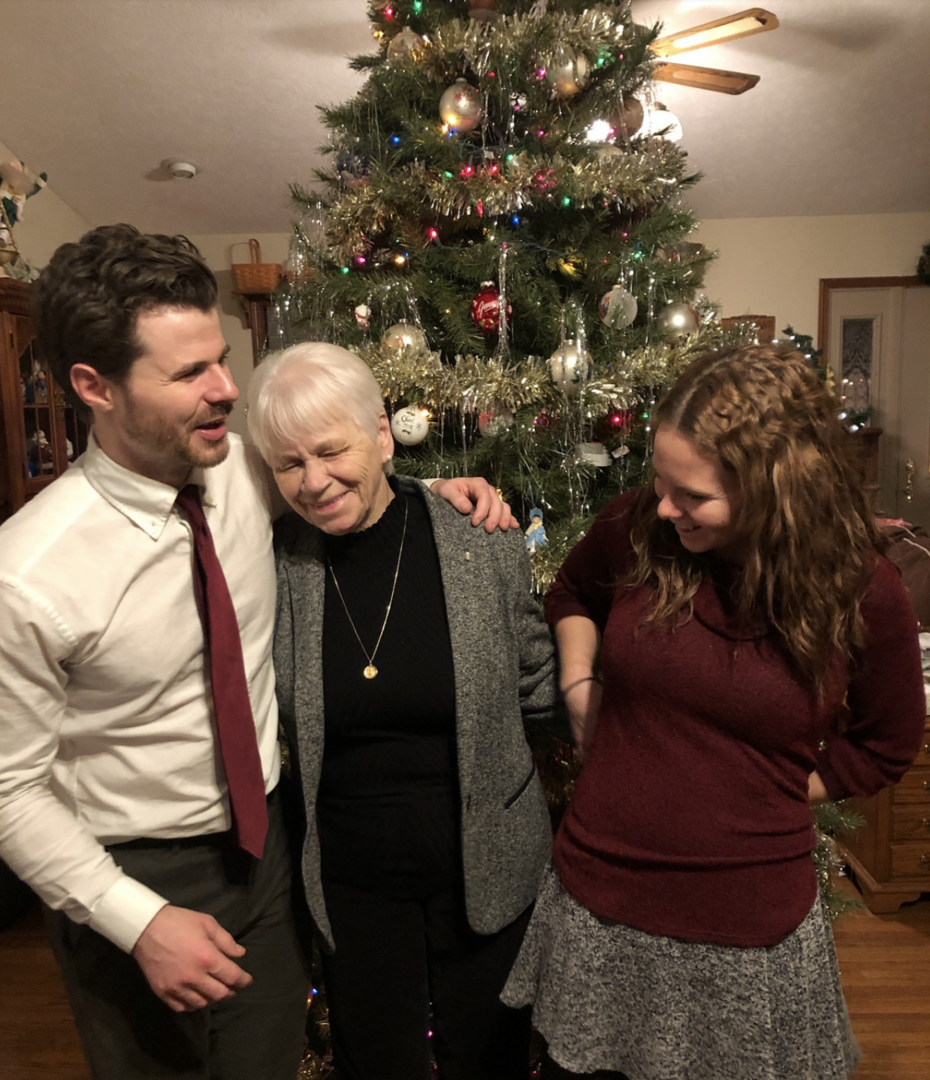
(129, 1034)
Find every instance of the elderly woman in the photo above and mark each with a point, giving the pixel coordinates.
(409, 653)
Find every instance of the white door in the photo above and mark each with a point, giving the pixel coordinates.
(878, 339)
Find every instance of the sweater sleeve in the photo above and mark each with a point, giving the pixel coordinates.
(586, 580)
(885, 697)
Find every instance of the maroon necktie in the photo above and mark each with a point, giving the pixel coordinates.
(235, 725)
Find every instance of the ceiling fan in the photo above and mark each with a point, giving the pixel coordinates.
(742, 24)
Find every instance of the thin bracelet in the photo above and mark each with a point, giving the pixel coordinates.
(578, 682)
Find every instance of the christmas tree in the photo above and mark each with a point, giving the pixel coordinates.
(500, 233)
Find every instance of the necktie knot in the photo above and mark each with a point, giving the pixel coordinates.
(188, 500)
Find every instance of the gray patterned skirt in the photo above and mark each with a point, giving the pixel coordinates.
(608, 997)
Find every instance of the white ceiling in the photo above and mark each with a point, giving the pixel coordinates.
(99, 92)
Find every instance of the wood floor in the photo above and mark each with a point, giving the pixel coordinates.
(885, 962)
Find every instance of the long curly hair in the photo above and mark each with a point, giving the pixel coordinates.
(803, 509)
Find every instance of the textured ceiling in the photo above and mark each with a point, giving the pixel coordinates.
(99, 92)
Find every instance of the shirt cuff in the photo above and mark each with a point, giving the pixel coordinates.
(124, 911)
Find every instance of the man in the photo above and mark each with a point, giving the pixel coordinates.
(176, 940)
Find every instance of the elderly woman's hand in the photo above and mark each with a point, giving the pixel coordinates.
(474, 493)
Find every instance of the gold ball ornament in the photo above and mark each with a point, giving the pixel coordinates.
(483, 10)
(460, 107)
(407, 43)
(410, 425)
(568, 72)
(403, 335)
(677, 321)
(569, 367)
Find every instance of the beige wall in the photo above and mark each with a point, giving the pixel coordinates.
(773, 266)
(221, 250)
(46, 220)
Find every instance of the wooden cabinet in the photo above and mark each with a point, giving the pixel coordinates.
(39, 432)
(890, 854)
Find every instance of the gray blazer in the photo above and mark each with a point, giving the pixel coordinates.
(505, 674)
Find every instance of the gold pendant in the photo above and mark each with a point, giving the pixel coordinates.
(370, 672)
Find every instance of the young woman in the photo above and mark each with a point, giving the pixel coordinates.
(734, 606)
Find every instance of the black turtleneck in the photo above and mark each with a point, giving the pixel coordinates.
(387, 806)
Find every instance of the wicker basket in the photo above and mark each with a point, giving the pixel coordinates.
(256, 276)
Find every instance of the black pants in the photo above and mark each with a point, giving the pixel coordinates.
(396, 958)
(130, 1034)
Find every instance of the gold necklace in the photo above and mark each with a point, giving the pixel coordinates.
(370, 671)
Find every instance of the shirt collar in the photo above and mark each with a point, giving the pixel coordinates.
(147, 503)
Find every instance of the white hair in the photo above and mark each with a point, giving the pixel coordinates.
(302, 390)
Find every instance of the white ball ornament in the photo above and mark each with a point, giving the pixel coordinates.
(676, 321)
(403, 335)
(569, 366)
(460, 107)
(410, 425)
(618, 308)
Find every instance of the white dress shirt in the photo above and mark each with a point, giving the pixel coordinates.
(106, 728)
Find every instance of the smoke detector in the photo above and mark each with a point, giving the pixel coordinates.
(181, 170)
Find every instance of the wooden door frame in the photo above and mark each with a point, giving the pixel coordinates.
(830, 285)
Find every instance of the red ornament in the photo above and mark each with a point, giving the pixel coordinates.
(486, 308)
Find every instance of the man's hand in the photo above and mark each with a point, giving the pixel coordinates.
(467, 493)
(186, 957)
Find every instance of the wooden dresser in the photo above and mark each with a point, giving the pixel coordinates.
(890, 855)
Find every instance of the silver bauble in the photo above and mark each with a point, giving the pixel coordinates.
(410, 425)
(460, 106)
(569, 367)
(495, 422)
(403, 335)
(676, 321)
(617, 308)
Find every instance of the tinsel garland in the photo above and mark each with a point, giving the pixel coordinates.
(488, 46)
(409, 193)
(476, 383)
(831, 819)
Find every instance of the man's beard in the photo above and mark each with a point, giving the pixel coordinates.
(167, 443)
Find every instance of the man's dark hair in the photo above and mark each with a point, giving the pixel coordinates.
(86, 301)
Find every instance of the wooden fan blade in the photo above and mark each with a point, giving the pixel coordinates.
(744, 23)
(724, 82)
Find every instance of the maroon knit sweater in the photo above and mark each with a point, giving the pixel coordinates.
(690, 818)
